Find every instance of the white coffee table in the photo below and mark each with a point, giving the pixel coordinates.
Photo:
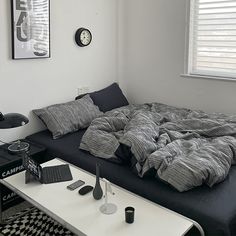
(81, 214)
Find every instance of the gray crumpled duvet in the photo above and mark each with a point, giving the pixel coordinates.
(186, 148)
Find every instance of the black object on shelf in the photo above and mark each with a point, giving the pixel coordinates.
(97, 192)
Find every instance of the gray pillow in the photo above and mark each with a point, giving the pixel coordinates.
(68, 117)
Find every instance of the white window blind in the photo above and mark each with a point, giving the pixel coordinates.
(212, 41)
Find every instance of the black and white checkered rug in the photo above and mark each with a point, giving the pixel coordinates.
(34, 223)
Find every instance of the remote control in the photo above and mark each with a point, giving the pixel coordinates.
(75, 185)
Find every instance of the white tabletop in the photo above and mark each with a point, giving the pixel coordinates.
(82, 216)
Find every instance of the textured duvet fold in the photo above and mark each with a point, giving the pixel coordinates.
(184, 148)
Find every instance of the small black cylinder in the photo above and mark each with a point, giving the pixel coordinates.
(129, 215)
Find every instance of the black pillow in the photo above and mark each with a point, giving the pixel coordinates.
(108, 98)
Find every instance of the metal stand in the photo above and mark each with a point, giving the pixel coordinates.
(108, 208)
(29, 178)
(198, 226)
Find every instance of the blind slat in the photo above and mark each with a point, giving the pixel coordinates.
(233, 70)
(216, 50)
(214, 33)
(217, 44)
(217, 28)
(215, 1)
(217, 59)
(217, 65)
(215, 54)
(201, 54)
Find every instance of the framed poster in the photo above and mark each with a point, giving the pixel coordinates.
(30, 29)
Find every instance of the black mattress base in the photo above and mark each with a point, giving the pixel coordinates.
(213, 208)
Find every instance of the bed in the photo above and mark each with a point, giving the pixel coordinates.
(213, 208)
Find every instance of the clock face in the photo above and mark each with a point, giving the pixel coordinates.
(83, 37)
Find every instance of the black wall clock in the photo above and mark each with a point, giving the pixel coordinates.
(83, 37)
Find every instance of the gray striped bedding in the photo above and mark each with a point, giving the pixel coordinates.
(186, 148)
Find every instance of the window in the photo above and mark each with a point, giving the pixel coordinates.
(212, 38)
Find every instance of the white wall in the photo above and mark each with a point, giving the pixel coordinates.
(147, 39)
(152, 33)
(29, 84)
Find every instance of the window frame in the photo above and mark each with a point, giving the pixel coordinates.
(189, 47)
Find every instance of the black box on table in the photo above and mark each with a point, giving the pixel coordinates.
(11, 164)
